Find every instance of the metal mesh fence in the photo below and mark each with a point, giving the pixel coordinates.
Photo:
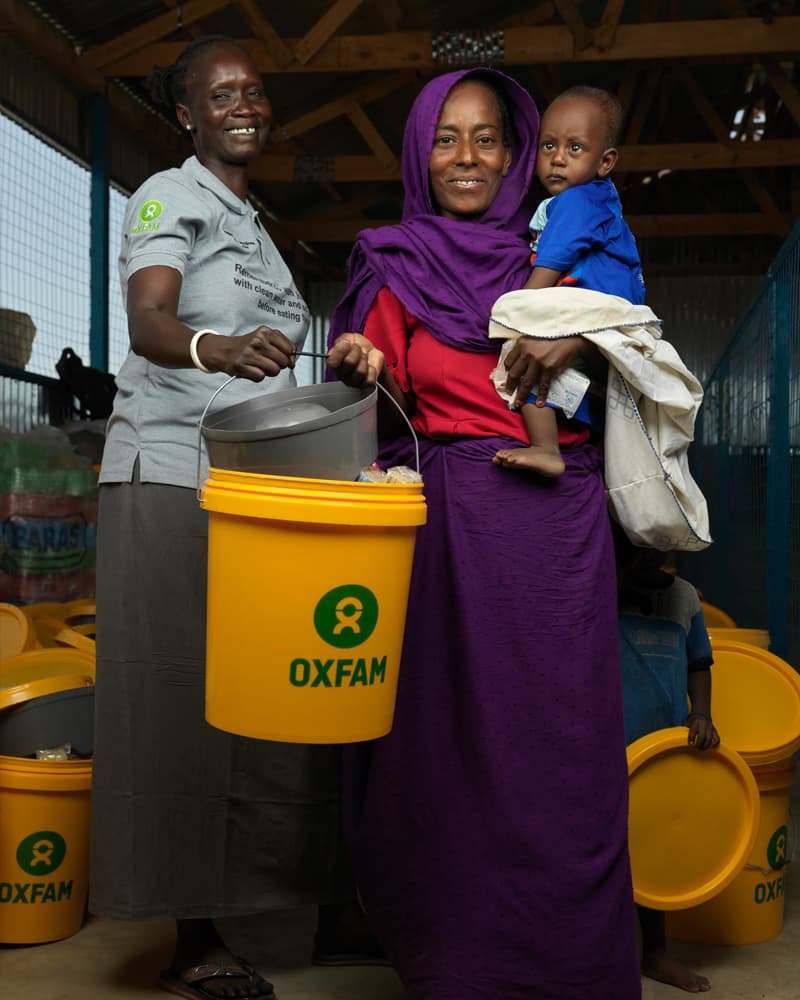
(44, 244)
(747, 461)
(44, 255)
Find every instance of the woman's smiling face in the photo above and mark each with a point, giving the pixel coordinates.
(225, 106)
(468, 160)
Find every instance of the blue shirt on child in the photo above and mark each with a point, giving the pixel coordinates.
(587, 238)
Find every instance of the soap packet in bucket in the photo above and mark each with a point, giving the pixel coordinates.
(307, 581)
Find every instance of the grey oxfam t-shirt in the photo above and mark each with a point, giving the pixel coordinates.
(233, 280)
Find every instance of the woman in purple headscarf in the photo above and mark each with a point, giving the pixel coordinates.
(489, 828)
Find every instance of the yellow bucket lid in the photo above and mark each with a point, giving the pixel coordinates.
(752, 636)
(37, 664)
(73, 637)
(50, 609)
(693, 819)
(15, 631)
(20, 693)
(755, 702)
(715, 617)
(81, 608)
(47, 628)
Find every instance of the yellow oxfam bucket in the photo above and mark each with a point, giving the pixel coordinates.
(756, 702)
(307, 589)
(750, 909)
(44, 848)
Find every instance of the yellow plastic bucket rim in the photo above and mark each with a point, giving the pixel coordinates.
(49, 661)
(776, 752)
(643, 751)
(18, 694)
(27, 774)
(75, 640)
(48, 609)
(16, 617)
(775, 777)
(313, 501)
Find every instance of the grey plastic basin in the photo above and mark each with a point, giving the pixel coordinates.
(49, 721)
(327, 431)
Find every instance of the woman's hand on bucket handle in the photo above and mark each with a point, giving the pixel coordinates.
(355, 360)
(257, 355)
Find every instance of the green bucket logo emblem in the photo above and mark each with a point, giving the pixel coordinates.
(346, 616)
(776, 849)
(41, 853)
(150, 210)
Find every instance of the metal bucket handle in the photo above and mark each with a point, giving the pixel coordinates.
(228, 381)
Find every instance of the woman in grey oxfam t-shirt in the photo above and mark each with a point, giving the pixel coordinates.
(189, 822)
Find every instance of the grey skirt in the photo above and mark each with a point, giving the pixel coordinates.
(188, 821)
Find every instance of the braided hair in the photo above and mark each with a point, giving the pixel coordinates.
(167, 84)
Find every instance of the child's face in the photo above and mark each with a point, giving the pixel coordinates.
(572, 144)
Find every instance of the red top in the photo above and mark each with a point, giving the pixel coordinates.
(451, 391)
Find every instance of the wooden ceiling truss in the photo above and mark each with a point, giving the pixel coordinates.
(657, 54)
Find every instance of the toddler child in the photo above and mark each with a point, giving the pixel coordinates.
(665, 654)
(579, 237)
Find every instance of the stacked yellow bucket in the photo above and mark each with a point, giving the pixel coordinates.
(47, 666)
(756, 699)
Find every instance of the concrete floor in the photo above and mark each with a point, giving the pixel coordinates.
(110, 960)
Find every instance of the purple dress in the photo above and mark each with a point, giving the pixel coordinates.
(489, 828)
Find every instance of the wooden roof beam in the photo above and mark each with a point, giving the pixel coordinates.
(571, 16)
(373, 138)
(534, 15)
(135, 40)
(741, 37)
(784, 88)
(325, 28)
(391, 12)
(606, 31)
(722, 132)
(313, 230)
(372, 91)
(263, 30)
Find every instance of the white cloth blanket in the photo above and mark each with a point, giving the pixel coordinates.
(651, 406)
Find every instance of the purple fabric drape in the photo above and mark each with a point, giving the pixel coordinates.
(425, 259)
(489, 827)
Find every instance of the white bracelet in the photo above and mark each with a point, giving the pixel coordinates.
(193, 350)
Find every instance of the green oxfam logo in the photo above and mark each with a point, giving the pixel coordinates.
(150, 210)
(776, 849)
(41, 853)
(346, 616)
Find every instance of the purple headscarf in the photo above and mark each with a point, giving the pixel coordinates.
(448, 273)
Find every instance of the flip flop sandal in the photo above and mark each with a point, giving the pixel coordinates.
(189, 982)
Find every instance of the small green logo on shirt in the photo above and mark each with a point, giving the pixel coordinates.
(148, 214)
(150, 211)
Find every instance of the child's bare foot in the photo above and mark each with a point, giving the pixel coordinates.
(547, 462)
(660, 966)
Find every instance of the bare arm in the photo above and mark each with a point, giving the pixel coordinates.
(158, 335)
(702, 733)
(542, 277)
